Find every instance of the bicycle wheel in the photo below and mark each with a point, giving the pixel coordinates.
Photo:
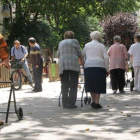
(16, 76)
(33, 84)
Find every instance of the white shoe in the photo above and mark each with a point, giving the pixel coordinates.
(135, 90)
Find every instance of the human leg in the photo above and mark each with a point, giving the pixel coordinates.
(39, 76)
(35, 77)
(93, 97)
(138, 78)
(26, 68)
(65, 87)
(114, 79)
(121, 79)
(73, 87)
(97, 98)
(136, 70)
(97, 104)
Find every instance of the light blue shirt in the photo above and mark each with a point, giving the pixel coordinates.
(18, 53)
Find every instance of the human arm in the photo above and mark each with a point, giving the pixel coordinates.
(12, 58)
(38, 55)
(25, 53)
(79, 52)
(25, 56)
(109, 51)
(125, 53)
(12, 54)
(131, 54)
(126, 57)
(131, 58)
(106, 59)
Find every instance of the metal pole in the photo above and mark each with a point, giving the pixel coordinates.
(14, 98)
(9, 104)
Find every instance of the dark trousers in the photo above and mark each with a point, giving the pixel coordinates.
(117, 79)
(38, 75)
(69, 83)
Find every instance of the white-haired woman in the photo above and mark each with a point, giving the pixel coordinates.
(96, 68)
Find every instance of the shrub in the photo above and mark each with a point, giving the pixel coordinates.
(123, 24)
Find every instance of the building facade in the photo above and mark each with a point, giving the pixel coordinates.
(4, 15)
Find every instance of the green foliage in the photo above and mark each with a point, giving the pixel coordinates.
(94, 23)
(102, 8)
(61, 15)
(123, 24)
(81, 26)
(60, 11)
(40, 30)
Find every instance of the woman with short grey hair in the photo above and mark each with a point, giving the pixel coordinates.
(96, 68)
(118, 57)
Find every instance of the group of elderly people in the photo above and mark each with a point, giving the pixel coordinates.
(98, 64)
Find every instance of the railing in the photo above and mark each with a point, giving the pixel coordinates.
(5, 76)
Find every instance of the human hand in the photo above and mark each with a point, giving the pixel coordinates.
(107, 74)
(37, 66)
(29, 64)
(23, 60)
(1, 63)
(6, 63)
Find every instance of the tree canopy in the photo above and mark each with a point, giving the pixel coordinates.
(63, 14)
(122, 24)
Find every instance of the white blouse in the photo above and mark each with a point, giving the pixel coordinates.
(95, 55)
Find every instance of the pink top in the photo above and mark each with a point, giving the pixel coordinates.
(117, 54)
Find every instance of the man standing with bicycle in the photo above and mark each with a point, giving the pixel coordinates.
(19, 53)
(37, 63)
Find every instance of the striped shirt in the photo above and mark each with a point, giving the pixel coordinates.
(35, 55)
(68, 52)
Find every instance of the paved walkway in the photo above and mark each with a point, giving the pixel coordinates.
(44, 120)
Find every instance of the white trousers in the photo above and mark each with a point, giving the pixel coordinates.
(137, 77)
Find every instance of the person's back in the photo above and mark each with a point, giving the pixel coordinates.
(69, 51)
(117, 54)
(95, 55)
(94, 51)
(135, 50)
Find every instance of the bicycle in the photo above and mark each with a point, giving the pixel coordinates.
(18, 75)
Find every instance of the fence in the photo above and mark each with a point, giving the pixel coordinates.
(5, 76)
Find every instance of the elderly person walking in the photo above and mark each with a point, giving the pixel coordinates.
(96, 68)
(69, 52)
(134, 52)
(118, 57)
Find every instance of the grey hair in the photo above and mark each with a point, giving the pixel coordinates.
(96, 35)
(117, 38)
(32, 40)
(17, 41)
